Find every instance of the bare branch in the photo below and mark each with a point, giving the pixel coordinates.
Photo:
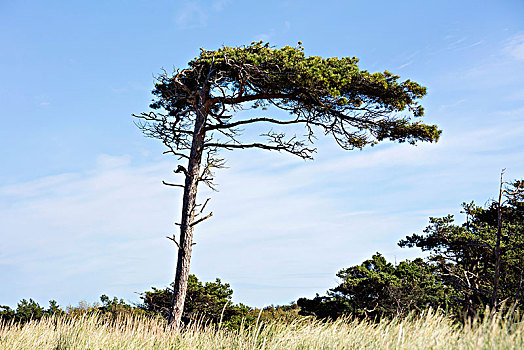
(174, 240)
(173, 185)
(248, 98)
(202, 219)
(212, 162)
(203, 207)
(261, 119)
(293, 146)
(178, 154)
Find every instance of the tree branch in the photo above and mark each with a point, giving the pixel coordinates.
(248, 98)
(202, 219)
(174, 240)
(261, 119)
(303, 153)
(173, 185)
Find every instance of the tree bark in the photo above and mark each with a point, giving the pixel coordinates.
(494, 300)
(188, 216)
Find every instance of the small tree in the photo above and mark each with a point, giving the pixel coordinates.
(210, 300)
(195, 116)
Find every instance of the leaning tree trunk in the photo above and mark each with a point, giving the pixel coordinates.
(188, 215)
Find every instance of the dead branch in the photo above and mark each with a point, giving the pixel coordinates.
(173, 185)
(174, 240)
(203, 207)
(202, 219)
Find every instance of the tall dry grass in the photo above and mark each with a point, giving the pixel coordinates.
(428, 331)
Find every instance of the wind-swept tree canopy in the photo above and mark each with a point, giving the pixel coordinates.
(195, 114)
(356, 107)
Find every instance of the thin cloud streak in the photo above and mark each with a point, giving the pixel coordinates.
(515, 46)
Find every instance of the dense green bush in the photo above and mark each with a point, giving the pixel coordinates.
(379, 289)
(210, 301)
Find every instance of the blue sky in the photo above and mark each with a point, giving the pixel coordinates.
(82, 208)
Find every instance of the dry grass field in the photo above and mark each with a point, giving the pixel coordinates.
(428, 331)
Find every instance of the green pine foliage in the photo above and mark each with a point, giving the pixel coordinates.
(458, 276)
(356, 107)
(464, 255)
(377, 289)
(210, 301)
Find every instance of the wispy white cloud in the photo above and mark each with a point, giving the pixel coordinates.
(477, 43)
(265, 37)
(191, 15)
(269, 35)
(275, 217)
(61, 231)
(463, 45)
(405, 65)
(218, 5)
(452, 105)
(404, 59)
(515, 46)
(36, 187)
(129, 86)
(453, 43)
(109, 161)
(195, 14)
(42, 100)
(501, 67)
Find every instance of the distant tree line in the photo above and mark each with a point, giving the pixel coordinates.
(459, 277)
(208, 302)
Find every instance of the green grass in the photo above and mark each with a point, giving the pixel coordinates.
(428, 331)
